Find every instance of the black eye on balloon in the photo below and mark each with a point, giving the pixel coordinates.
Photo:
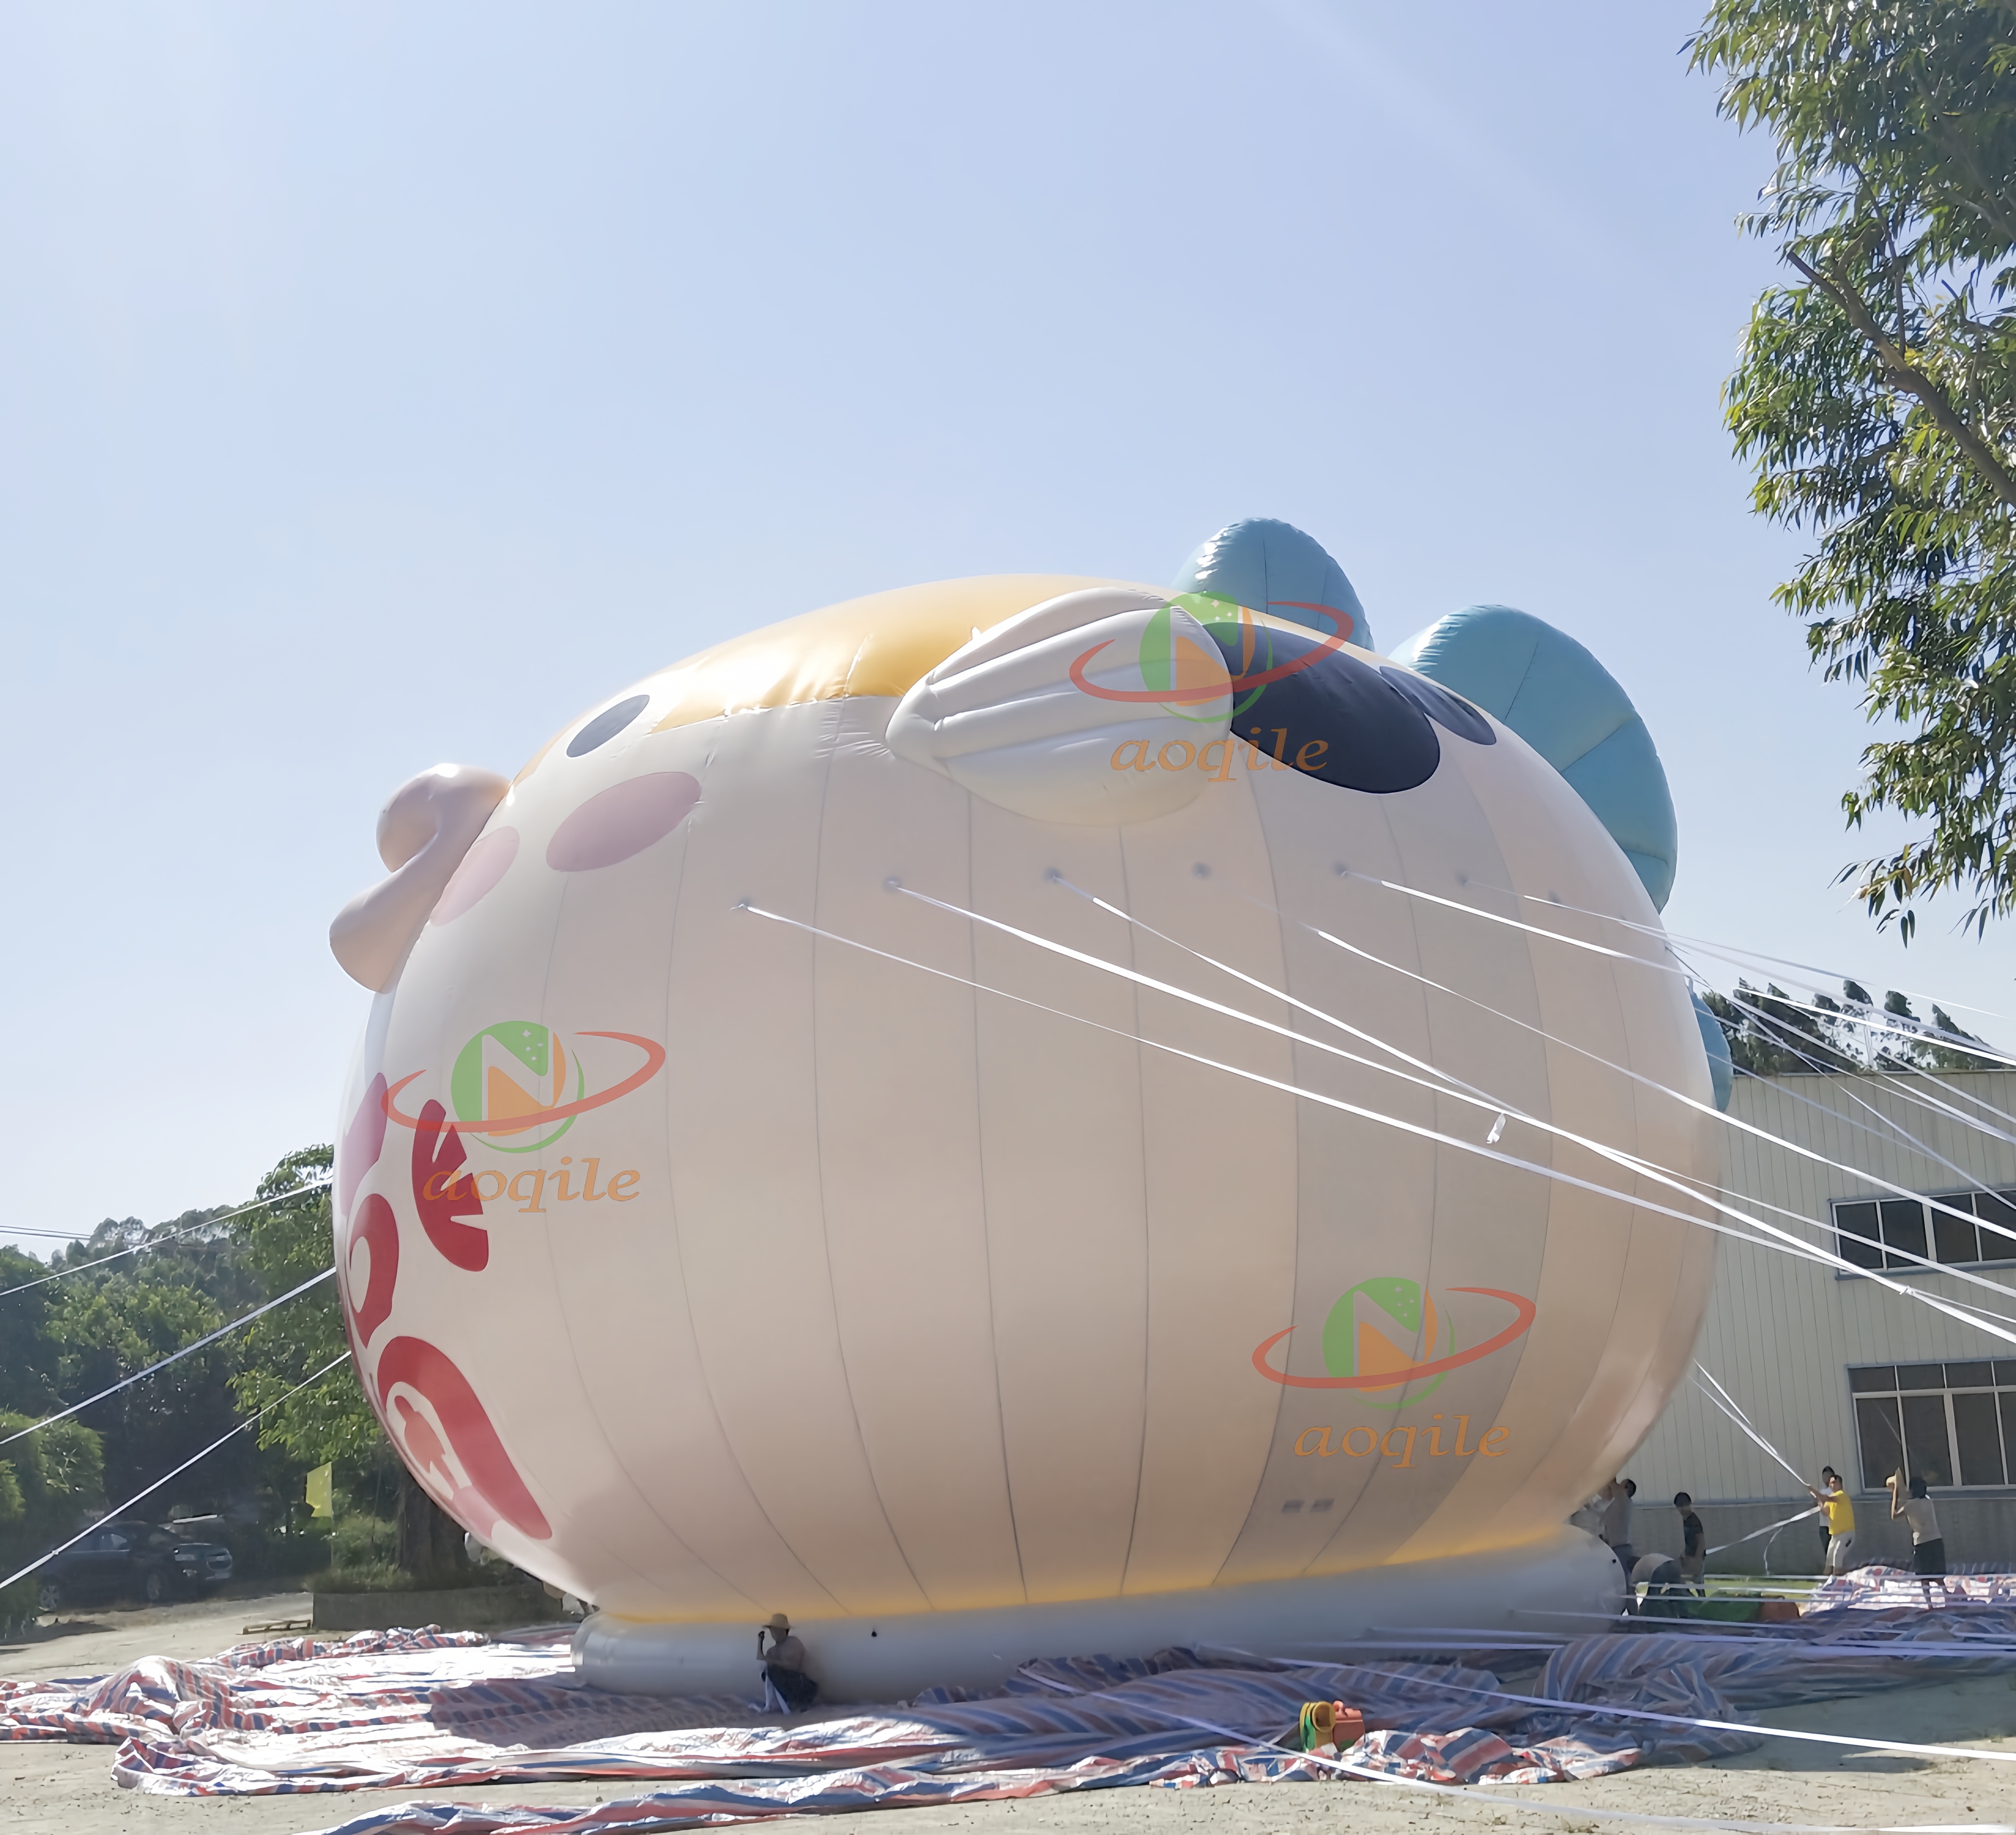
(1447, 710)
(1328, 713)
(606, 725)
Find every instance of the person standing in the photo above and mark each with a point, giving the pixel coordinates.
(1617, 1496)
(1839, 1511)
(1909, 1499)
(1693, 1544)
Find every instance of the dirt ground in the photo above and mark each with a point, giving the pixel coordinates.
(52, 1789)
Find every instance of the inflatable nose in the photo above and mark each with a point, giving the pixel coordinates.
(1062, 712)
(423, 831)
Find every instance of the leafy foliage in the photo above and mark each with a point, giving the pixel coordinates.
(285, 1243)
(107, 1330)
(103, 1320)
(28, 1354)
(59, 1473)
(1876, 397)
(1772, 1033)
(106, 1319)
(50, 1484)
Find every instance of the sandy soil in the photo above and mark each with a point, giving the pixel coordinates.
(48, 1789)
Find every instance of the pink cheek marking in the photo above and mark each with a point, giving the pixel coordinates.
(482, 867)
(623, 820)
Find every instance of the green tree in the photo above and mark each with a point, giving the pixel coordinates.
(285, 1243)
(56, 1479)
(28, 1356)
(107, 1330)
(331, 1423)
(1943, 1054)
(1876, 397)
(1768, 1036)
(52, 1484)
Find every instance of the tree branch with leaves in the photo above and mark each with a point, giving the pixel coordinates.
(1876, 399)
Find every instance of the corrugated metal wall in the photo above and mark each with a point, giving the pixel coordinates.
(1780, 1334)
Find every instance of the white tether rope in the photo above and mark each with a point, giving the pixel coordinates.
(249, 1420)
(1781, 1240)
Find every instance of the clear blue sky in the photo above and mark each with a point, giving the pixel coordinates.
(384, 384)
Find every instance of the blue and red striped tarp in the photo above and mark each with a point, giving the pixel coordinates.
(425, 1710)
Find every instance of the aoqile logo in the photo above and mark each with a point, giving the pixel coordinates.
(513, 1080)
(1386, 1333)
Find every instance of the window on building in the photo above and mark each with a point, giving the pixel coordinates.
(1951, 1424)
(1883, 1233)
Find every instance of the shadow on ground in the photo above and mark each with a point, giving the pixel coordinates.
(21, 1637)
(1972, 1711)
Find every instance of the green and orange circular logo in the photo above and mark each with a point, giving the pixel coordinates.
(517, 1086)
(1386, 1333)
(508, 1075)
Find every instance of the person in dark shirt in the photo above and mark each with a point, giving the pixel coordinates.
(1693, 1550)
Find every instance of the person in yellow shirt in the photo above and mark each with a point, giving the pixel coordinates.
(1840, 1513)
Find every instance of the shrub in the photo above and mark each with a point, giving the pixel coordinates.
(18, 1605)
(384, 1578)
(360, 1541)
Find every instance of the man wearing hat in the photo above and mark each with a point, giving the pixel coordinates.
(784, 1665)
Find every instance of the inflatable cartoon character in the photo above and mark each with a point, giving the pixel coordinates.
(1034, 1114)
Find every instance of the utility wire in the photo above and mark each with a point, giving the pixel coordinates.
(174, 1357)
(320, 1185)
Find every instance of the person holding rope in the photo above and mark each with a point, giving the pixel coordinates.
(1617, 1496)
(1910, 1500)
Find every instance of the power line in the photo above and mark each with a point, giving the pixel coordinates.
(73, 1236)
(320, 1185)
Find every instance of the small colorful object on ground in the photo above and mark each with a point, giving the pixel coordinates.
(1329, 1726)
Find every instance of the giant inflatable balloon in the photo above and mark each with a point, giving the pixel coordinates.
(1011, 1117)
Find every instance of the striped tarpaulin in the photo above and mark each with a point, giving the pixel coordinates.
(426, 1711)
(1873, 1587)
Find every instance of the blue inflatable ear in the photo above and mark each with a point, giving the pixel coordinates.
(1714, 1041)
(1564, 704)
(1273, 566)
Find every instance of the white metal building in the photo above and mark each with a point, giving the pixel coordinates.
(1835, 1369)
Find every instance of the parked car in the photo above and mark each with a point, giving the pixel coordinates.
(134, 1560)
